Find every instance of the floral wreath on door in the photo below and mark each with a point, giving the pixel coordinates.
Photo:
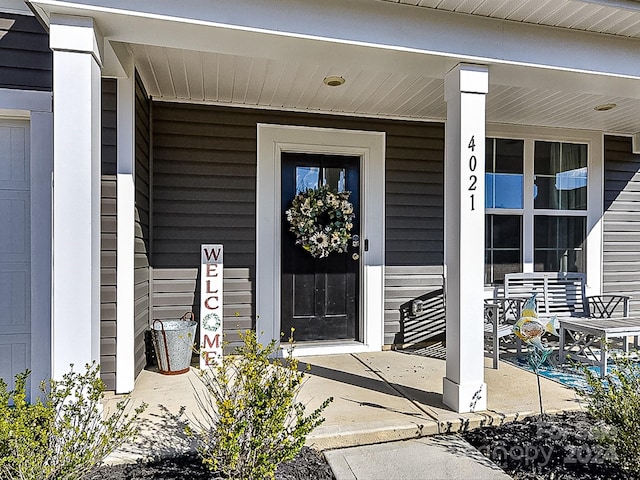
(321, 220)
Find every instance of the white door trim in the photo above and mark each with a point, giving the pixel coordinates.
(370, 147)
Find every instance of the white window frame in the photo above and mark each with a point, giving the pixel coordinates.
(594, 212)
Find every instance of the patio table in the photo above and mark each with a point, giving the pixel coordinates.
(591, 335)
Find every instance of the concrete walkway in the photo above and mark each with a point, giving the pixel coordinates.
(379, 398)
(438, 457)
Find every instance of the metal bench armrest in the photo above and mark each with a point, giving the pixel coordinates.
(605, 306)
(499, 316)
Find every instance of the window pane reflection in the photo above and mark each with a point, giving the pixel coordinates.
(560, 176)
(503, 246)
(306, 178)
(559, 244)
(334, 178)
(504, 179)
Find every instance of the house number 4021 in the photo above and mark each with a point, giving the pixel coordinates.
(473, 179)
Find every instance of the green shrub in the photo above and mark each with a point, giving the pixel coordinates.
(64, 435)
(24, 431)
(615, 400)
(251, 421)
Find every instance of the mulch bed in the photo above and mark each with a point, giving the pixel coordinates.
(307, 465)
(553, 447)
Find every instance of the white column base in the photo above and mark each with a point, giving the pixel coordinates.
(469, 397)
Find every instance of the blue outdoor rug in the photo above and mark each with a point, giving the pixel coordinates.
(565, 374)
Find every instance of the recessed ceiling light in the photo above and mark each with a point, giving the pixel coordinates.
(605, 107)
(333, 81)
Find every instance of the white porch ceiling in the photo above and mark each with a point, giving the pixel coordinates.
(550, 61)
(184, 75)
(218, 78)
(614, 17)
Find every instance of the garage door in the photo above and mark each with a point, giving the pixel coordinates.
(15, 265)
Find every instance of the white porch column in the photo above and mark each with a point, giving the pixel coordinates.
(464, 389)
(75, 330)
(125, 328)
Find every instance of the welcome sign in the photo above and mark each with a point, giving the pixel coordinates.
(211, 278)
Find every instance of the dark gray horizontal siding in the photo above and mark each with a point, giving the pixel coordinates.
(25, 58)
(177, 290)
(414, 234)
(109, 237)
(108, 290)
(403, 285)
(204, 180)
(142, 290)
(621, 232)
(109, 126)
(204, 192)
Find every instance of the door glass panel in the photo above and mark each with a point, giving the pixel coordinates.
(334, 178)
(306, 178)
(560, 176)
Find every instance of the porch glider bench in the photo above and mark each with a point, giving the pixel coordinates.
(563, 295)
(558, 294)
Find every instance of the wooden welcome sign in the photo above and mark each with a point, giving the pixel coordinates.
(211, 304)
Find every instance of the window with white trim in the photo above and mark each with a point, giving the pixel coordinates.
(535, 206)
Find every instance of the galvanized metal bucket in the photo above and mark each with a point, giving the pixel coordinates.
(173, 341)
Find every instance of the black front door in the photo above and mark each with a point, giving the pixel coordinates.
(320, 295)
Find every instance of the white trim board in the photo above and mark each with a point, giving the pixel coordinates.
(370, 147)
(125, 258)
(26, 101)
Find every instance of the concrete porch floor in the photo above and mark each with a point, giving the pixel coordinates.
(378, 397)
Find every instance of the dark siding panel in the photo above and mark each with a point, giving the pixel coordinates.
(108, 282)
(621, 236)
(142, 193)
(109, 126)
(25, 58)
(403, 285)
(108, 241)
(414, 202)
(204, 178)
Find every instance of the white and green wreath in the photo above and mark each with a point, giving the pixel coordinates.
(321, 221)
(211, 321)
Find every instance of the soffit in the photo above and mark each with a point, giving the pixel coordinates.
(614, 17)
(183, 75)
(273, 65)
